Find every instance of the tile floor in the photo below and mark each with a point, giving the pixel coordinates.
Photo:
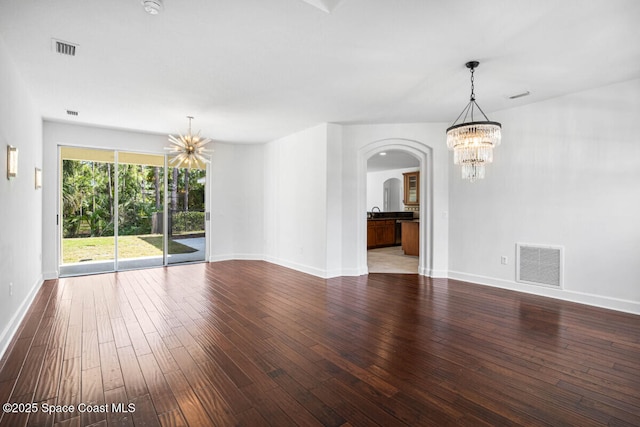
(391, 260)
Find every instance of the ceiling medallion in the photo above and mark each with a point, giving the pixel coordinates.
(188, 151)
(473, 141)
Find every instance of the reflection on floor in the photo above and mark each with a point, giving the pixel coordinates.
(91, 267)
(391, 260)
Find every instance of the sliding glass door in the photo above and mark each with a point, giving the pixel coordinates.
(140, 210)
(88, 206)
(186, 215)
(121, 211)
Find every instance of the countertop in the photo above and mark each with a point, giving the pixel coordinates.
(376, 216)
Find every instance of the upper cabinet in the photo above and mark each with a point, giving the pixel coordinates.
(412, 189)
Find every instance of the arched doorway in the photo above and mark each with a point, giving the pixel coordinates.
(423, 153)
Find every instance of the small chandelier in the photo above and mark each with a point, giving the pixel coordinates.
(472, 141)
(188, 151)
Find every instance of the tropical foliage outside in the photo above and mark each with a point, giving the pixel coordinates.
(88, 195)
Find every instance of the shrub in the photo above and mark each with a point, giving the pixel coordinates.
(187, 221)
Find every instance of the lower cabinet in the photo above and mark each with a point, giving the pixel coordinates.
(381, 233)
(411, 238)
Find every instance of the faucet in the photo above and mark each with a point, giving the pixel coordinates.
(373, 209)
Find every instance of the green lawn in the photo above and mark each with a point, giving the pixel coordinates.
(101, 248)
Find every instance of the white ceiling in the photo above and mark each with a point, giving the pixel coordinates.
(392, 159)
(256, 70)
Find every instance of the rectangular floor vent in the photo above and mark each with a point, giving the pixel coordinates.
(539, 264)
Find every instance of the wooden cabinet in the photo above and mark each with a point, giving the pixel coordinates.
(381, 233)
(411, 238)
(411, 188)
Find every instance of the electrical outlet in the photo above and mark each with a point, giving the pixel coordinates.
(504, 260)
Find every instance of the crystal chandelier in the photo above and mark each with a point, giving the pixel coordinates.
(472, 141)
(188, 151)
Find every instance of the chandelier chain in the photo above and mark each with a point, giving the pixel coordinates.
(473, 95)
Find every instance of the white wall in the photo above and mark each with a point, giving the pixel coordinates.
(237, 202)
(20, 202)
(566, 174)
(295, 200)
(334, 201)
(375, 186)
(423, 137)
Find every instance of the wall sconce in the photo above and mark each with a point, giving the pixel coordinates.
(38, 178)
(12, 162)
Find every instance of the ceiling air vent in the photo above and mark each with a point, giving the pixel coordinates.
(64, 48)
(520, 95)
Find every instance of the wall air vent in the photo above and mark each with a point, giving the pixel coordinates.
(539, 264)
(64, 48)
(72, 113)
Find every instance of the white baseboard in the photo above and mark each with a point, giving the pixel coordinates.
(282, 262)
(350, 272)
(9, 331)
(626, 306)
(231, 257)
(438, 274)
(50, 275)
(299, 267)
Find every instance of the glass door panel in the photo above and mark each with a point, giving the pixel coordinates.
(113, 211)
(140, 210)
(87, 207)
(186, 219)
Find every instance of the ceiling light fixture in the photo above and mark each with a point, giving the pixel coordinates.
(188, 151)
(152, 7)
(473, 141)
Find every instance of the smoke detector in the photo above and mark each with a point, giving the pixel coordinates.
(152, 7)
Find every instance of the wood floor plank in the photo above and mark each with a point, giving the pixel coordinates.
(29, 374)
(115, 417)
(253, 343)
(191, 407)
(134, 382)
(42, 418)
(15, 360)
(172, 419)
(110, 366)
(163, 399)
(49, 380)
(92, 397)
(70, 387)
(90, 349)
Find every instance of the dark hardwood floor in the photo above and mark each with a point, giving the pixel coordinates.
(251, 343)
